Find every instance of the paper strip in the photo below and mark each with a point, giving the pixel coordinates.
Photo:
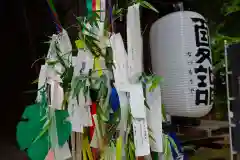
(137, 101)
(134, 40)
(154, 118)
(141, 138)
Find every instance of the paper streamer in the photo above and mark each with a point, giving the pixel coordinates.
(119, 149)
(54, 15)
(134, 43)
(154, 117)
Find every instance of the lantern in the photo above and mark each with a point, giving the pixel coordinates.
(180, 52)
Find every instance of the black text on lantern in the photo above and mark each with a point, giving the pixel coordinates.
(203, 71)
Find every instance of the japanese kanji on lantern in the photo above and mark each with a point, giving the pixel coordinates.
(180, 52)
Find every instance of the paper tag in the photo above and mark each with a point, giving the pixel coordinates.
(137, 101)
(141, 139)
(52, 49)
(120, 59)
(64, 42)
(75, 119)
(65, 151)
(74, 116)
(51, 74)
(102, 8)
(85, 115)
(80, 44)
(81, 116)
(154, 118)
(83, 62)
(134, 40)
(50, 155)
(57, 96)
(124, 103)
(74, 61)
(94, 142)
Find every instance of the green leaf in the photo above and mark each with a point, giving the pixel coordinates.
(164, 113)
(64, 127)
(32, 135)
(44, 130)
(39, 149)
(102, 115)
(28, 130)
(35, 81)
(146, 104)
(52, 63)
(147, 5)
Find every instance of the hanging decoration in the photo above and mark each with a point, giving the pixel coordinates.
(54, 15)
(180, 51)
(100, 99)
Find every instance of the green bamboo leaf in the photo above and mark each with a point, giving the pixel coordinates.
(35, 81)
(151, 137)
(147, 5)
(44, 130)
(146, 104)
(101, 114)
(52, 63)
(117, 11)
(164, 113)
(132, 147)
(43, 118)
(59, 57)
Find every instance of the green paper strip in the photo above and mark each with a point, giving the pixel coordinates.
(52, 5)
(89, 7)
(154, 155)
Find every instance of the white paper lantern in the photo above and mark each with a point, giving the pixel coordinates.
(180, 52)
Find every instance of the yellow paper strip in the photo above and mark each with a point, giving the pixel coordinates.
(84, 154)
(98, 6)
(119, 148)
(88, 149)
(79, 44)
(97, 66)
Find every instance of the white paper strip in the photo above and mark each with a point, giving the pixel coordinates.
(122, 127)
(65, 151)
(64, 43)
(134, 40)
(154, 118)
(56, 94)
(80, 110)
(74, 116)
(83, 62)
(120, 60)
(141, 138)
(137, 105)
(103, 10)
